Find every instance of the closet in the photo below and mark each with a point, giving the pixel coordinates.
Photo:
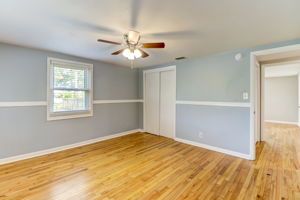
(159, 101)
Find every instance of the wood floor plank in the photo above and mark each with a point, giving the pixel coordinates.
(142, 166)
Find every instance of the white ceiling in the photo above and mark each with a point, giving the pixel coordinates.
(278, 70)
(189, 28)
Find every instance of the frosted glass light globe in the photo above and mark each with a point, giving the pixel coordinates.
(137, 53)
(126, 53)
(131, 56)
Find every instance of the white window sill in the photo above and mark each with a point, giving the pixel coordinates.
(52, 117)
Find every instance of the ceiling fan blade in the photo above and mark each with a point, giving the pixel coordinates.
(117, 52)
(153, 45)
(144, 54)
(110, 42)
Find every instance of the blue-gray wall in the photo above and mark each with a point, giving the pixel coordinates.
(217, 78)
(23, 75)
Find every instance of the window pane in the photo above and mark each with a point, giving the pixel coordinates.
(69, 101)
(69, 78)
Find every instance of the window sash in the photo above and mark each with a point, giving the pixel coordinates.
(87, 102)
(86, 76)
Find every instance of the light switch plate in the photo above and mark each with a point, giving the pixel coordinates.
(245, 96)
(200, 134)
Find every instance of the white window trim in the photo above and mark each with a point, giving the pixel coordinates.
(72, 114)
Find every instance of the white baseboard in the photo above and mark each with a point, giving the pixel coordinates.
(62, 148)
(213, 148)
(282, 122)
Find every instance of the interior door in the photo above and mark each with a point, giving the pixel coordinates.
(167, 103)
(152, 108)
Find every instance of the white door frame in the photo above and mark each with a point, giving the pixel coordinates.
(168, 68)
(254, 113)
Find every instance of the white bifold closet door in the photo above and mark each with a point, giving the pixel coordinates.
(160, 97)
(167, 103)
(152, 88)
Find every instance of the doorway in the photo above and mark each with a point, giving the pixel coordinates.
(280, 94)
(271, 101)
(160, 101)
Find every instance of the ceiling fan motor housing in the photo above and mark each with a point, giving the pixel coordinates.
(133, 37)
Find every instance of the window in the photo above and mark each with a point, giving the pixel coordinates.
(70, 91)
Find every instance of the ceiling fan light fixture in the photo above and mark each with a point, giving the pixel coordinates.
(131, 56)
(133, 48)
(137, 53)
(126, 52)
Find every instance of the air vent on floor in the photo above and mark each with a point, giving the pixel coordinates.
(180, 58)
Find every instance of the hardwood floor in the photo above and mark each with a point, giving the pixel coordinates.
(147, 167)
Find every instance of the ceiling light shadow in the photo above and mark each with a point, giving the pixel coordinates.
(135, 12)
(87, 25)
(175, 34)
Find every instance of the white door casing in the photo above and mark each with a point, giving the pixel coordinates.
(298, 99)
(258, 103)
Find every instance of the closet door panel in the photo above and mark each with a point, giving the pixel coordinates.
(167, 103)
(152, 88)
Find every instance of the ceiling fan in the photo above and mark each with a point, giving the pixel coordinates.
(132, 47)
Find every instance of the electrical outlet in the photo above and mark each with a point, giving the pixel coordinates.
(200, 134)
